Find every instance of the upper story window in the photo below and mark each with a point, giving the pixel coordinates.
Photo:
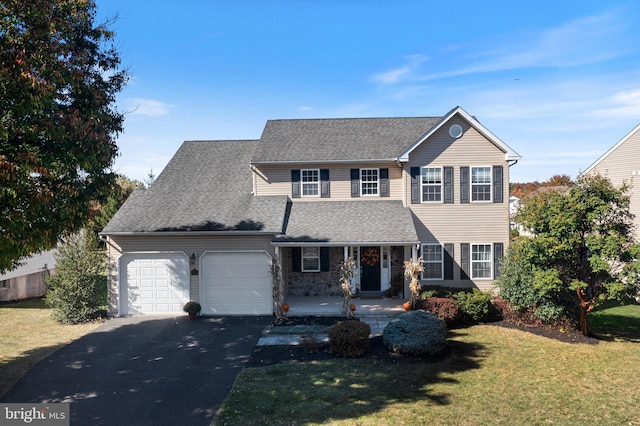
(310, 259)
(480, 183)
(431, 184)
(432, 262)
(481, 261)
(310, 182)
(369, 181)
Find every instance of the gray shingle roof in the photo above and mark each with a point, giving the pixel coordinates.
(205, 187)
(339, 222)
(339, 139)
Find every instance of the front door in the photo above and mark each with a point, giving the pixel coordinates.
(370, 268)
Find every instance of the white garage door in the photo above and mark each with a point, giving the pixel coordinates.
(236, 284)
(155, 283)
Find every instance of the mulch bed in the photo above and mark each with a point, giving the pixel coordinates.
(269, 355)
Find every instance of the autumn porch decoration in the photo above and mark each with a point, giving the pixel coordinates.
(192, 308)
(370, 257)
(412, 269)
(347, 272)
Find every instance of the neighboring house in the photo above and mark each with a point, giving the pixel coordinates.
(28, 280)
(311, 193)
(622, 164)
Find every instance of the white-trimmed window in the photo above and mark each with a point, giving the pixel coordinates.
(310, 259)
(310, 182)
(480, 183)
(432, 262)
(481, 261)
(431, 184)
(369, 181)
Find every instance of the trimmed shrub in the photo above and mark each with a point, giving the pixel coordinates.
(446, 309)
(416, 333)
(475, 306)
(349, 338)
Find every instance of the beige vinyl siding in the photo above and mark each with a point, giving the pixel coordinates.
(456, 223)
(623, 165)
(276, 180)
(198, 244)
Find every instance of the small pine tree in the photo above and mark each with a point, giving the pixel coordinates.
(78, 290)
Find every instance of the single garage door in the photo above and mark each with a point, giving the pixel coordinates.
(236, 284)
(155, 283)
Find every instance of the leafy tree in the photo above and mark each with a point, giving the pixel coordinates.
(105, 211)
(582, 243)
(78, 290)
(59, 75)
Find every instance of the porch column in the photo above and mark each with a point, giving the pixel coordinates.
(345, 253)
(414, 252)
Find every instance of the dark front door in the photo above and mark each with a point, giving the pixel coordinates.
(370, 268)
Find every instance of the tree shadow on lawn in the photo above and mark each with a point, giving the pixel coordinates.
(615, 328)
(355, 387)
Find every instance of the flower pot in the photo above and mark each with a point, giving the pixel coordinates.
(193, 315)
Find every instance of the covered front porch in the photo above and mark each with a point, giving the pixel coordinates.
(332, 306)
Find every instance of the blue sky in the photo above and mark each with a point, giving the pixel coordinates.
(558, 81)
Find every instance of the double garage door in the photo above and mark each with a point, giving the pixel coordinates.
(237, 283)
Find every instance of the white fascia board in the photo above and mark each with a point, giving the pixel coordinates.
(613, 148)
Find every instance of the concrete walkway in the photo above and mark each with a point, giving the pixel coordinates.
(377, 324)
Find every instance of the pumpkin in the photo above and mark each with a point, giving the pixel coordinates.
(285, 307)
(353, 306)
(407, 306)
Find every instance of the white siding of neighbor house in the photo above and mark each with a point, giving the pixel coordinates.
(198, 244)
(276, 180)
(621, 165)
(474, 222)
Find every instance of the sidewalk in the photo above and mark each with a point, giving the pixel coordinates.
(377, 324)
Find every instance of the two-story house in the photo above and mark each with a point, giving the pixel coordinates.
(308, 194)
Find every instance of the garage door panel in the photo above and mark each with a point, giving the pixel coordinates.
(156, 283)
(237, 284)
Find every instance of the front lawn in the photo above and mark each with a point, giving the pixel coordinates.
(493, 375)
(28, 335)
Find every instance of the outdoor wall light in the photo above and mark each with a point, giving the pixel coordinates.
(193, 259)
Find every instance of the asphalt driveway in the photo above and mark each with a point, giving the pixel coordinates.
(145, 370)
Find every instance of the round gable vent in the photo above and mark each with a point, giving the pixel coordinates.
(455, 131)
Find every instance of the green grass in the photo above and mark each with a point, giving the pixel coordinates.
(28, 335)
(616, 323)
(493, 375)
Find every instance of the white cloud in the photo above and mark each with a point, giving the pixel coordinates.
(148, 107)
(401, 73)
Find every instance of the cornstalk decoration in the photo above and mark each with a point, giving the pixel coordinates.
(278, 288)
(412, 269)
(347, 272)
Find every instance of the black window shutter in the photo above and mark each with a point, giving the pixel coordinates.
(465, 262)
(448, 184)
(325, 191)
(384, 182)
(415, 185)
(464, 184)
(295, 183)
(448, 261)
(296, 259)
(498, 252)
(497, 185)
(324, 259)
(355, 182)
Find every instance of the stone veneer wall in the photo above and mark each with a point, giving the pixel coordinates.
(317, 283)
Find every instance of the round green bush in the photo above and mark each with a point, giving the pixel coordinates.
(416, 333)
(349, 338)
